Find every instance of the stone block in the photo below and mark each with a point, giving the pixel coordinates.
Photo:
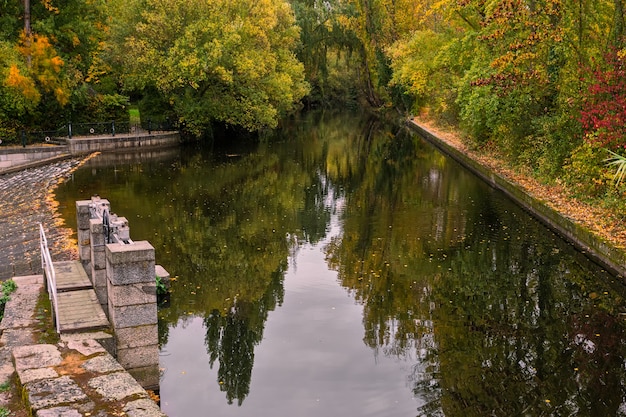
(160, 272)
(82, 214)
(90, 343)
(132, 337)
(84, 237)
(103, 298)
(63, 411)
(138, 357)
(98, 258)
(54, 392)
(148, 376)
(137, 251)
(99, 278)
(84, 253)
(35, 356)
(117, 386)
(96, 229)
(102, 364)
(143, 408)
(132, 294)
(85, 347)
(130, 264)
(132, 316)
(16, 337)
(32, 375)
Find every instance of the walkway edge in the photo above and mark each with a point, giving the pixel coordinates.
(34, 164)
(596, 248)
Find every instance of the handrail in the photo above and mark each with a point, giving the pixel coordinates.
(48, 267)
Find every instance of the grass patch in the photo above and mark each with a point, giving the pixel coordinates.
(134, 116)
(7, 288)
(45, 325)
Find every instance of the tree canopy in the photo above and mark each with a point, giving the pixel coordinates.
(223, 60)
(536, 80)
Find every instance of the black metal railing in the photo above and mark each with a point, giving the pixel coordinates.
(58, 136)
(51, 137)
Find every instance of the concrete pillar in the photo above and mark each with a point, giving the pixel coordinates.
(98, 271)
(132, 302)
(83, 234)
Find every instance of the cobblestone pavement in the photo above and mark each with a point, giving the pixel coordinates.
(25, 201)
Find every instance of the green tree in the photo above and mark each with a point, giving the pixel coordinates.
(227, 61)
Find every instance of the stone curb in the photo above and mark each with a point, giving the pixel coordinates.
(600, 251)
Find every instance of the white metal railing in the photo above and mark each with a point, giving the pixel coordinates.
(51, 280)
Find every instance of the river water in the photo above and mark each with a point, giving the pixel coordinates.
(344, 267)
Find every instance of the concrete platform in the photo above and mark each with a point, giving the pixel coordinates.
(70, 276)
(80, 311)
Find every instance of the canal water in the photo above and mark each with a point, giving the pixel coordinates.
(344, 267)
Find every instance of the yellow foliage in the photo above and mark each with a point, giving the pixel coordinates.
(23, 84)
(48, 5)
(44, 66)
(61, 95)
(56, 63)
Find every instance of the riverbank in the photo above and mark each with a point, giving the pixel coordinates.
(592, 229)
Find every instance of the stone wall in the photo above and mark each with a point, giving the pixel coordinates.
(597, 249)
(84, 145)
(21, 157)
(123, 273)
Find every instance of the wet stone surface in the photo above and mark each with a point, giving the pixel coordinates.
(24, 203)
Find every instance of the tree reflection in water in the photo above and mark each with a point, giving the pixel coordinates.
(232, 336)
(491, 312)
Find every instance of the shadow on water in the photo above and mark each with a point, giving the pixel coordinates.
(464, 304)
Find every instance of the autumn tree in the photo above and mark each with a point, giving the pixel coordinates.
(603, 115)
(55, 68)
(227, 61)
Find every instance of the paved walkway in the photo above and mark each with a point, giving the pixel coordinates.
(73, 378)
(25, 201)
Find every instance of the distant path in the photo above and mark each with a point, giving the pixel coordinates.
(25, 201)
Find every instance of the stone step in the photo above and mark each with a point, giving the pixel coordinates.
(70, 276)
(79, 378)
(80, 311)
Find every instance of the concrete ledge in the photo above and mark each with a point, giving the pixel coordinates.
(18, 163)
(596, 248)
(122, 141)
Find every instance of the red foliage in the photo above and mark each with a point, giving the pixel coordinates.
(603, 115)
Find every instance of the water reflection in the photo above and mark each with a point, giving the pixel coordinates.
(459, 299)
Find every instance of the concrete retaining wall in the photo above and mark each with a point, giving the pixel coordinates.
(21, 157)
(596, 248)
(84, 145)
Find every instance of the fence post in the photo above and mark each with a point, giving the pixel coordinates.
(69, 130)
(113, 127)
(23, 138)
